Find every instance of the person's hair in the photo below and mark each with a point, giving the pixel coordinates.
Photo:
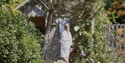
(67, 27)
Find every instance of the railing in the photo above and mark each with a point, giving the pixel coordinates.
(116, 40)
(116, 36)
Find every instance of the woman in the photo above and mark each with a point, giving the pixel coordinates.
(66, 42)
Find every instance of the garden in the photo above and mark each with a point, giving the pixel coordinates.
(95, 40)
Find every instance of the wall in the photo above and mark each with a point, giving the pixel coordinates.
(33, 10)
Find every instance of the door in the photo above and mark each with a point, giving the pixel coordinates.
(39, 23)
(62, 22)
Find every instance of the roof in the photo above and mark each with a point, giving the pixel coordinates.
(22, 4)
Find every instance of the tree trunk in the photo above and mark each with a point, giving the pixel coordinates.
(47, 31)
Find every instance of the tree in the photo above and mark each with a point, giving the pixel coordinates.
(116, 11)
(82, 12)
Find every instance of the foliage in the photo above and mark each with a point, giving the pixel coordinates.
(2, 1)
(116, 11)
(19, 40)
(94, 45)
(83, 12)
(11, 4)
(115, 40)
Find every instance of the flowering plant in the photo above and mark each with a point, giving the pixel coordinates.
(71, 49)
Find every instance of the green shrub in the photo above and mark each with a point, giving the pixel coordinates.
(19, 39)
(94, 45)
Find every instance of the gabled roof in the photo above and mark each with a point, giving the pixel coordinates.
(22, 4)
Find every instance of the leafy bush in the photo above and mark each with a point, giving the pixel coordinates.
(19, 39)
(116, 11)
(94, 46)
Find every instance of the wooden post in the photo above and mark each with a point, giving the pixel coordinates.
(92, 27)
(92, 32)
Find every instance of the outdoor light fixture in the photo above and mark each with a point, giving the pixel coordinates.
(53, 23)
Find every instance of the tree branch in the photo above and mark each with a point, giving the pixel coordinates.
(96, 13)
(45, 5)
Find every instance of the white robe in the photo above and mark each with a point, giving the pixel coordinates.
(66, 42)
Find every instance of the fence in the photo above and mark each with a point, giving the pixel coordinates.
(116, 37)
